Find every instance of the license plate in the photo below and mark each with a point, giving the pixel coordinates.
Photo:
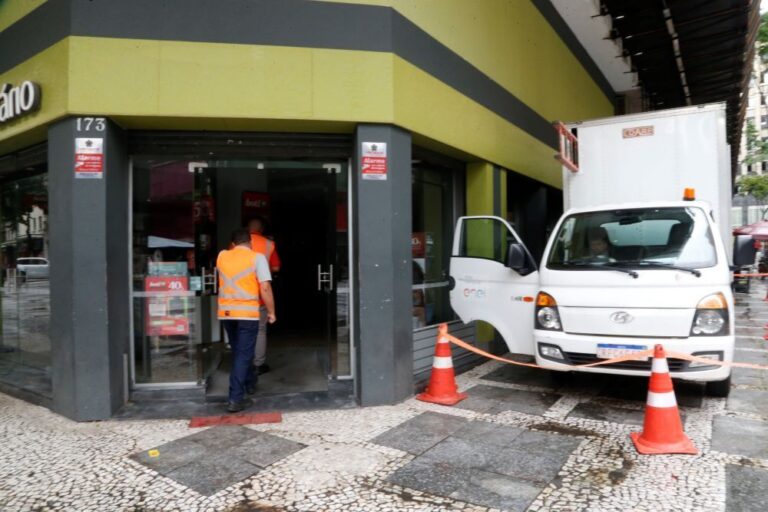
(609, 351)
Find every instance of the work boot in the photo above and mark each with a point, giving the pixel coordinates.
(260, 370)
(239, 406)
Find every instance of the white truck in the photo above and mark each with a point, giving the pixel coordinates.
(630, 263)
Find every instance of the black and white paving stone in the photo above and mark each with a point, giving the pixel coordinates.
(521, 441)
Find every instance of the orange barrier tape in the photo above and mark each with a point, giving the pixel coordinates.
(733, 364)
(635, 356)
(750, 275)
(471, 348)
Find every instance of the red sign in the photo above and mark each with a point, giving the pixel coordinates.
(166, 315)
(89, 158)
(255, 204)
(418, 244)
(374, 161)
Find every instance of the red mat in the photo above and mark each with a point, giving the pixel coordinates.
(236, 419)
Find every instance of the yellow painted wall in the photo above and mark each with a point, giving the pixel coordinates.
(12, 11)
(49, 69)
(180, 85)
(511, 42)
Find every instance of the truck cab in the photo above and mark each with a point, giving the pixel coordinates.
(613, 280)
(621, 278)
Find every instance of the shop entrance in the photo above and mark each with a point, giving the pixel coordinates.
(184, 213)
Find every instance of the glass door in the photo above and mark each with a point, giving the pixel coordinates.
(184, 212)
(309, 220)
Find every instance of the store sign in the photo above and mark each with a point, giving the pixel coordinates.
(374, 161)
(18, 101)
(638, 131)
(89, 158)
(255, 204)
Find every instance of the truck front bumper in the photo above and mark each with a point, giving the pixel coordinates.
(582, 349)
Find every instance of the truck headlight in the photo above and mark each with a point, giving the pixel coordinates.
(547, 316)
(711, 318)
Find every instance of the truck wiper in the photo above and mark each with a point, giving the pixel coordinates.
(608, 265)
(649, 263)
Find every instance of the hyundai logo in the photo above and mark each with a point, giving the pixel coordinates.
(621, 317)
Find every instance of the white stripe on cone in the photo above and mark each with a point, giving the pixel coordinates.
(662, 400)
(660, 365)
(442, 362)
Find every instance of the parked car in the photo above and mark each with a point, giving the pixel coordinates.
(33, 268)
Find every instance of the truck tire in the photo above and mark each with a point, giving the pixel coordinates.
(719, 388)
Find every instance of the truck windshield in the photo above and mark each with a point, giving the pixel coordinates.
(652, 238)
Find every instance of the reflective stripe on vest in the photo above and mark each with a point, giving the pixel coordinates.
(231, 282)
(238, 284)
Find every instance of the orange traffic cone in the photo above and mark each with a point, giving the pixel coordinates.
(662, 429)
(442, 382)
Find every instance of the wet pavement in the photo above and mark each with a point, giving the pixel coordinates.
(521, 441)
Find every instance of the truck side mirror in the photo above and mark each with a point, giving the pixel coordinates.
(516, 257)
(744, 250)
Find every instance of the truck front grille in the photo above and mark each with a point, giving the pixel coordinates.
(675, 365)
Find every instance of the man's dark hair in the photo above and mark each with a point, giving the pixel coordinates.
(241, 236)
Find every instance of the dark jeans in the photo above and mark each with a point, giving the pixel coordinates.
(242, 338)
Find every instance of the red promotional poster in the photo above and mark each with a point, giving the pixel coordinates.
(166, 314)
(89, 158)
(374, 161)
(255, 204)
(418, 245)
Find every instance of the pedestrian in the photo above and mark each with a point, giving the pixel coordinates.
(244, 284)
(262, 245)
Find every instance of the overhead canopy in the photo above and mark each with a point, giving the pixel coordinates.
(689, 52)
(758, 230)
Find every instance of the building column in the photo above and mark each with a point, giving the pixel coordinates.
(486, 189)
(90, 272)
(383, 269)
(486, 195)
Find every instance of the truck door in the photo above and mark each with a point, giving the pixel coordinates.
(486, 288)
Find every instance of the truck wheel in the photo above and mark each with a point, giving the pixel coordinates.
(719, 388)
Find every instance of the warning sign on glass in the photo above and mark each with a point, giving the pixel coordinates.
(89, 158)
(374, 161)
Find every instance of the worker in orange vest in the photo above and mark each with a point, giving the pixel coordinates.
(244, 285)
(267, 247)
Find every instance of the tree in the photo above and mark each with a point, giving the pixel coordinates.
(757, 187)
(757, 149)
(762, 37)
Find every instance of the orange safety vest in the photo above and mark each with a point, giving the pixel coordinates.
(238, 284)
(265, 246)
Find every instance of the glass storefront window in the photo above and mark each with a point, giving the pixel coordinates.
(431, 236)
(25, 344)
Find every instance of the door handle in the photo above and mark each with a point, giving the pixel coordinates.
(324, 278)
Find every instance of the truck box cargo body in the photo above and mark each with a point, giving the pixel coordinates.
(629, 265)
(653, 156)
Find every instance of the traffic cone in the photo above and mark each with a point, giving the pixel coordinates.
(442, 382)
(662, 429)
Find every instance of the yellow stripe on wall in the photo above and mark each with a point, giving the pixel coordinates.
(12, 11)
(511, 42)
(187, 86)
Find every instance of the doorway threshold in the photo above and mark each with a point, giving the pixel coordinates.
(339, 395)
